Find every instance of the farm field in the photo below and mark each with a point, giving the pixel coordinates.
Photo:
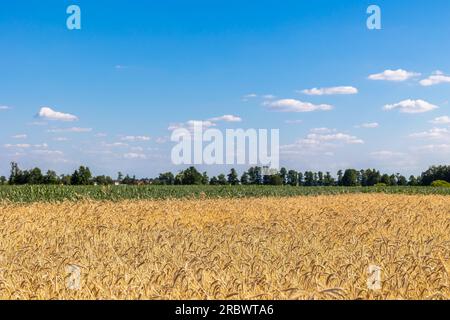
(30, 193)
(308, 247)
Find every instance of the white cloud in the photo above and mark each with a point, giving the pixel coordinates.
(60, 139)
(322, 130)
(337, 137)
(161, 140)
(384, 154)
(20, 145)
(437, 77)
(134, 156)
(20, 136)
(226, 118)
(293, 121)
(368, 125)
(116, 145)
(320, 143)
(48, 152)
(136, 138)
(44, 146)
(411, 106)
(189, 125)
(441, 120)
(292, 105)
(435, 133)
(269, 97)
(37, 123)
(101, 135)
(331, 91)
(394, 75)
(73, 129)
(4, 108)
(434, 148)
(204, 124)
(26, 146)
(50, 114)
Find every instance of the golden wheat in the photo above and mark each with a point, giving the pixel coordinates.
(272, 248)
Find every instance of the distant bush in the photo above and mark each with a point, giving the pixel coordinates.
(440, 184)
(381, 185)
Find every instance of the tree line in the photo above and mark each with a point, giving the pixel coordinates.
(253, 176)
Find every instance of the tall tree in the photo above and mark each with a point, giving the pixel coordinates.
(205, 178)
(81, 177)
(233, 177)
(222, 180)
(245, 179)
(301, 182)
(320, 178)
(309, 179)
(328, 180)
(350, 178)
(292, 178)
(283, 175)
(51, 178)
(340, 176)
(191, 176)
(167, 179)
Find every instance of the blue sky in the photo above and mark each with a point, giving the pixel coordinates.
(137, 68)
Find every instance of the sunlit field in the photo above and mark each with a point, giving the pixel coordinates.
(308, 247)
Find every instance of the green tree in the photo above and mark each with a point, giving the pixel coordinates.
(103, 180)
(373, 177)
(275, 180)
(320, 181)
(51, 178)
(15, 173)
(233, 177)
(255, 175)
(65, 179)
(435, 173)
(292, 178)
(35, 177)
(413, 181)
(167, 179)
(340, 176)
(385, 179)
(191, 176)
(222, 180)
(3, 180)
(283, 175)
(401, 180)
(350, 178)
(301, 182)
(309, 179)
(205, 178)
(328, 180)
(214, 181)
(245, 179)
(81, 177)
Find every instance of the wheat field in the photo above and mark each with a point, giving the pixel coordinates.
(270, 248)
